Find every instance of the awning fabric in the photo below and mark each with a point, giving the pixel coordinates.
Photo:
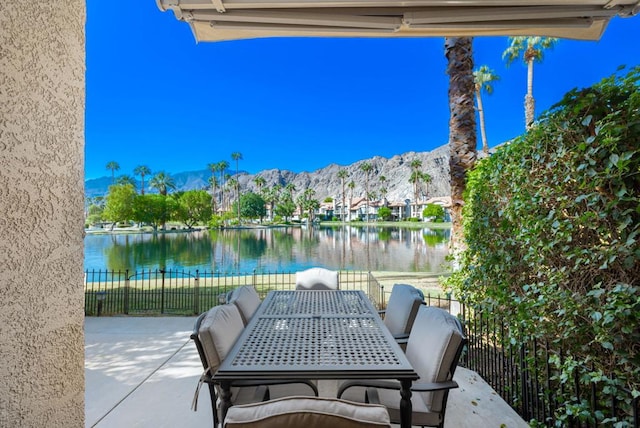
(216, 20)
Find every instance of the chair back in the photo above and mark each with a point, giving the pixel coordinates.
(247, 300)
(402, 308)
(434, 347)
(307, 412)
(317, 279)
(217, 332)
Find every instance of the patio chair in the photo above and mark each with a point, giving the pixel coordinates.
(317, 279)
(307, 412)
(247, 300)
(214, 334)
(434, 347)
(401, 311)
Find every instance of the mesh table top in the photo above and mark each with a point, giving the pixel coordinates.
(335, 333)
(300, 302)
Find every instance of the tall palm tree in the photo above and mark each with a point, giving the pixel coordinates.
(237, 157)
(162, 182)
(260, 182)
(113, 166)
(482, 78)
(213, 182)
(351, 186)
(414, 179)
(426, 179)
(222, 168)
(531, 49)
(462, 126)
(342, 175)
(366, 168)
(383, 189)
(271, 196)
(142, 170)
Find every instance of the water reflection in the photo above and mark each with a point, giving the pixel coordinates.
(274, 249)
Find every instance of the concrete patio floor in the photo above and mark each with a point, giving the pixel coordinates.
(143, 371)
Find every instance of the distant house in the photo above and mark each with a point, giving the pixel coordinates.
(399, 210)
(444, 201)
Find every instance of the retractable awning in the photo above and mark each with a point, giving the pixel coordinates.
(216, 20)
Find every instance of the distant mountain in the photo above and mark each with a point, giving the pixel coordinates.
(325, 181)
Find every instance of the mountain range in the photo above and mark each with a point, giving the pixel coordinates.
(325, 181)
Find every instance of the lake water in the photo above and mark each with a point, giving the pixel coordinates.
(285, 249)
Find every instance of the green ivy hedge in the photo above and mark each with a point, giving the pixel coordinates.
(552, 223)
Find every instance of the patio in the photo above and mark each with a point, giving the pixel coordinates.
(142, 372)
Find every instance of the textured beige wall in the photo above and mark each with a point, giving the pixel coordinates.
(42, 53)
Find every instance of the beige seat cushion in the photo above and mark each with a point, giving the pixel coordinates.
(432, 350)
(307, 412)
(402, 309)
(317, 279)
(247, 300)
(218, 332)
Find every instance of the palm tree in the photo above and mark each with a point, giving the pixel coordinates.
(366, 168)
(414, 179)
(213, 182)
(426, 179)
(351, 186)
(342, 175)
(271, 196)
(462, 126)
(482, 78)
(237, 156)
(260, 182)
(126, 179)
(222, 167)
(142, 170)
(162, 182)
(531, 50)
(113, 166)
(383, 189)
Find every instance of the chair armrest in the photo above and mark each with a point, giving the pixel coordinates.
(389, 384)
(434, 386)
(382, 384)
(266, 383)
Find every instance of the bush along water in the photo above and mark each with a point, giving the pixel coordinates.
(552, 223)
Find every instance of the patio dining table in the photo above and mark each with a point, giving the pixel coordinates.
(316, 335)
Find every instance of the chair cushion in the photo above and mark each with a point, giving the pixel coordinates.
(307, 412)
(317, 279)
(218, 332)
(432, 350)
(247, 300)
(402, 308)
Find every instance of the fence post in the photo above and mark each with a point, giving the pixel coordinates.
(125, 299)
(196, 296)
(524, 369)
(162, 295)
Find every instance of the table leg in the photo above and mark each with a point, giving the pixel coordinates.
(405, 404)
(225, 399)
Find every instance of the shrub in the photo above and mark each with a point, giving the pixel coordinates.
(552, 223)
(434, 211)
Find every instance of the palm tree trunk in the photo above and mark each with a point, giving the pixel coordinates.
(462, 127)
(529, 102)
(483, 133)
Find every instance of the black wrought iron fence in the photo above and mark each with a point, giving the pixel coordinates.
(182, 292)
(525, 374)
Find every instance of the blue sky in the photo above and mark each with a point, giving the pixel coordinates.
(155, 97)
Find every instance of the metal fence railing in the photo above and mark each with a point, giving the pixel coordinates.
(181, 292)
(522, 373)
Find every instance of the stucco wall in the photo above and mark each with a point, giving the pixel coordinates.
(42, 52)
